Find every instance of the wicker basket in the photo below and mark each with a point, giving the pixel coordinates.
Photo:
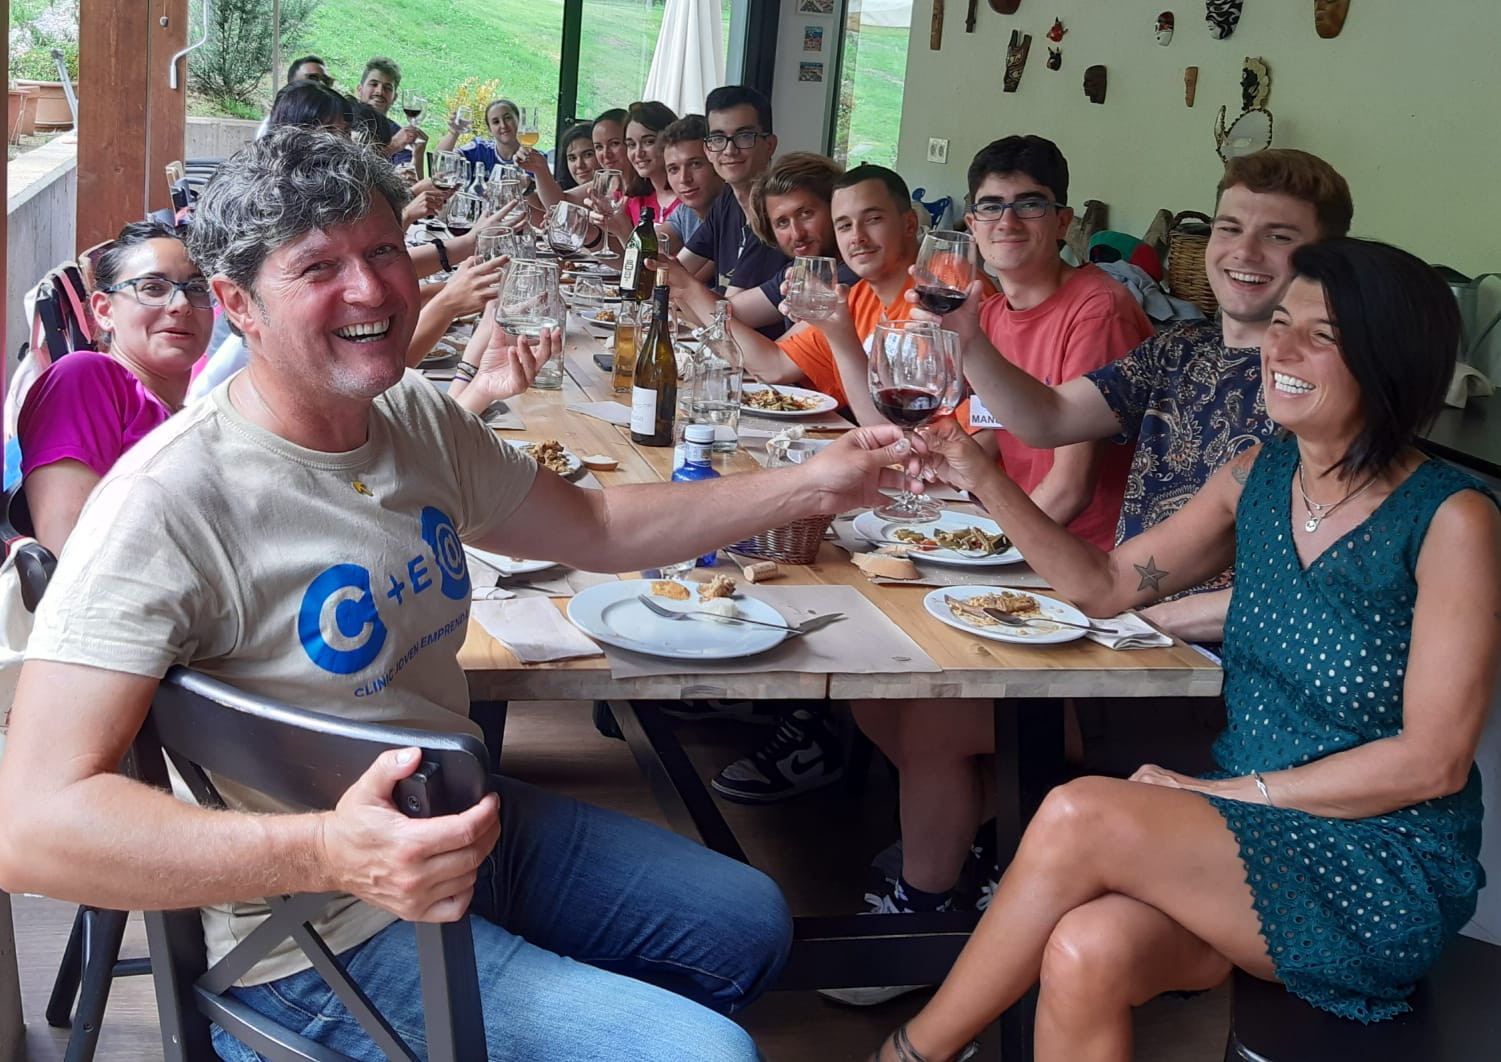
(1186, 276)
(794, 543)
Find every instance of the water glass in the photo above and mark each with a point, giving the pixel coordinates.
(450, 170)
(567, 228)
(713, 392)
(810, 288)
(530, 302)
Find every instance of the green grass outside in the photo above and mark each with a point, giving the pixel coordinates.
(442, 43)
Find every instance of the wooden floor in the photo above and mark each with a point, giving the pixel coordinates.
(817, 847)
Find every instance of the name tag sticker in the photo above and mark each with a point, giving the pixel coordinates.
(979, 416)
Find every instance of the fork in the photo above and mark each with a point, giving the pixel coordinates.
(1006, 619)
(808, 626)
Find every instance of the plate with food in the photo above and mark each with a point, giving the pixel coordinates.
(784, 401)
(589, 267)
(959, 539)
(550, 454)
(506, 565)
(612, 613)
(598, 320)
(962, 607)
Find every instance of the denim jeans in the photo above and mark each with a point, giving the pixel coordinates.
(597, 936)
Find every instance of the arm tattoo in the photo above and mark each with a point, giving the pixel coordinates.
(1151, 575)
(1240, 473)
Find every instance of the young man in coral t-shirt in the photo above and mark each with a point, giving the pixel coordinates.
(1052, 320)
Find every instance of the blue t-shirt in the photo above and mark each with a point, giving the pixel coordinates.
(685, 222)
(482, 151)
(725, 238)
(391, 129)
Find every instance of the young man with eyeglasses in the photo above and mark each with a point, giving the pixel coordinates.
(725, 251)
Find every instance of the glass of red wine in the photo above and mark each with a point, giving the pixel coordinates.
(945, 269)
(463, 212)
(912, 380)
(450, 170)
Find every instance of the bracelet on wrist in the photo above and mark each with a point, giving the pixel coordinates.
(466, 371)
(597, 239)
(443, 255)
(1261, 784)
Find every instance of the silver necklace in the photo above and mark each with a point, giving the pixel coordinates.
(1318, 511)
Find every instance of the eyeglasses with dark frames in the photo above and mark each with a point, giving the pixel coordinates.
(717, 142)
(1024, 209)
(159, 291)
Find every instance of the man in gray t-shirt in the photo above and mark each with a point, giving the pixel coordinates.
(297, 534)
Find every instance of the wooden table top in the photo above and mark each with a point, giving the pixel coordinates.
(972, 666)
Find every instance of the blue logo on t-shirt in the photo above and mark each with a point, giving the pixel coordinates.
(339, 625)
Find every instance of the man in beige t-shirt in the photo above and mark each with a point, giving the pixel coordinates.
(297, 534)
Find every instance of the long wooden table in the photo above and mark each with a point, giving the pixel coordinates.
(1026, 683)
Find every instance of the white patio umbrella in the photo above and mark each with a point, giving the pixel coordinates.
(689, 60)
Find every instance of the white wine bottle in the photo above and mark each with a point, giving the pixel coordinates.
(654, 389)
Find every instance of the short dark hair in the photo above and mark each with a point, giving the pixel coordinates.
(367, 125)
(1398, 328)
(292, 70)
(796, 171)
(1299, 175)
(727, 96)
(688, 127)
(385, 65)
(900, 194)
(109, 258)
(1032, 156)
(311, 105)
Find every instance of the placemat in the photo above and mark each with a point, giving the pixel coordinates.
(865, 642)
(502, 416)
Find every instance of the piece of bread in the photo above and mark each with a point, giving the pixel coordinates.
(884, 565)
(668, 588)
(599, 463)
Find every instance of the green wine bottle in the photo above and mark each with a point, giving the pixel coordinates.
(635, 274)
(654, 389)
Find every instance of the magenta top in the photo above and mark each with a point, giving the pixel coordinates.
(87, 407)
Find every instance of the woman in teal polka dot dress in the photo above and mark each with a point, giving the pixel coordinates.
(1336, 851)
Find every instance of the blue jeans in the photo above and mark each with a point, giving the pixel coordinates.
(597, 936)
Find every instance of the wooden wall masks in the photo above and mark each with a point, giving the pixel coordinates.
(1329, 17)
(1016, 60)
(1094, 84)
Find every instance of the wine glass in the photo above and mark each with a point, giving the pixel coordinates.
(462, 212)
(607, 196)
(463, 119)
(911, 376)
(450, 170)
(526, 127)
(810, 288)
(491, 242)
(945, 269)
(567, 228)
(412, 105)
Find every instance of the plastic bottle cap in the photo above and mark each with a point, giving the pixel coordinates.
(699, 433)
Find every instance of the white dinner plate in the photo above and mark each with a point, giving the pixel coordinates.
(826, 403)
(593, 325)
(873, 528)
(1038, 634)
(611, 613)
(574, 464)
(508, 565)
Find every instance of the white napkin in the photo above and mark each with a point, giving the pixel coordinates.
(533, 629)
(1135, 633)
(609, 412)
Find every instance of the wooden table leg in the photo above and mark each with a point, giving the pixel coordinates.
(12, 1028)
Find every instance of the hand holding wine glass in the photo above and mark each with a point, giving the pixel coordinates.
(526, 127)
(945, 269)
(911, 379)
(529, 299)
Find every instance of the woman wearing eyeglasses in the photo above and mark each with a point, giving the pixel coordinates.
(155, 312)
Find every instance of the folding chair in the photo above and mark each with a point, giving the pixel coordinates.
(308, 759)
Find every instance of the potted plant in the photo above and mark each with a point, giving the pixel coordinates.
(20, 113)
(37, 27)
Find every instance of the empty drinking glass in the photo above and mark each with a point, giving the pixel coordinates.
(567, 227)
(530, 302)
(810, 288)
(450, 170)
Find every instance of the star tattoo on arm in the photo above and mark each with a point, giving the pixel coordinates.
(1151, 575)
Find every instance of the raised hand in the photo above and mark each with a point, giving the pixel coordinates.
(473, 284)
(421, 870)
(852, 470)
(964, 319)
(953, 457)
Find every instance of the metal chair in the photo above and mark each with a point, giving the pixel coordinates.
(1455, 1018)
(207, 728)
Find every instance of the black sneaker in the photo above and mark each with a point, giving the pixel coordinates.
(802, 755)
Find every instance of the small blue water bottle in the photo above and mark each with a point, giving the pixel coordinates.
(698, 444)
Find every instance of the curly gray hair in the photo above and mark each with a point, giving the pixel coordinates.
(281, 187)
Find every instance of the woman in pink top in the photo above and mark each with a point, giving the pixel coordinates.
(155, 309)
(643, 128)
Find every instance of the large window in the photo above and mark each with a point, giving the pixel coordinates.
(616, 46)
(872, 68)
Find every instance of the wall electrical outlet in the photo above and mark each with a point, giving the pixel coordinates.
(938, 150)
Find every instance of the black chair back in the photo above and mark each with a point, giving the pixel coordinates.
(308, 758)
